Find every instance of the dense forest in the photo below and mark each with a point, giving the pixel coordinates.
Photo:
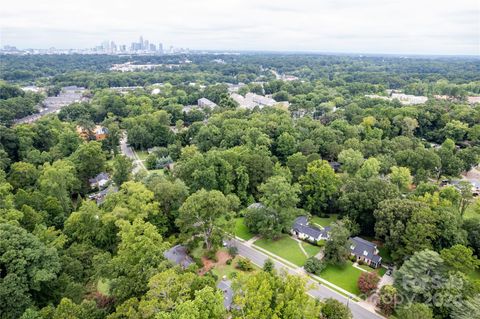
(379, 169)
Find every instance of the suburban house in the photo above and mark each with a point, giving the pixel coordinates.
(365, 251)
(98, 133)
(99, 197)
(179, 256)
(303, 230)
(203, 102)
(99, 181)
(225, 286)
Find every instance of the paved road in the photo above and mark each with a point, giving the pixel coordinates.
(128, 152)
(319, 291)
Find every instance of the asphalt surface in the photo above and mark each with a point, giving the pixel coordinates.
(319, 290)
(128, 152)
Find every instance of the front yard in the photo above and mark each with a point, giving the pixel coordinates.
(288, 249)
(241, 230)
(345, 277)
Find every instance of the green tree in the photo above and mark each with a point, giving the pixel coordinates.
(26, 264)
(204, 213)
(277, 210)
(351, 160)
(297, 163)
(387, 299)
(401, 177)
(89, 160)
(138, 258)
(319, 186)
(336, 249)
(122, 166)
(334, 309)
(370, 168)
(415, 311)
(461, 258)
(22, 175)
(59, 180)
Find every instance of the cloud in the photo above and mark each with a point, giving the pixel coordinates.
(383, 26)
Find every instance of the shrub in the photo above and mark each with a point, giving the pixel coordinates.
(211, 254)
(353, 258)
(368, 281)
(229, 261)
(233, 275)
(244, 264)
(314, 266)
(361, 262)
(268, 266)
(233, 251)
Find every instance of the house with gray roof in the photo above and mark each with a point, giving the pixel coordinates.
(179, 256)
(303, 230)
(365, 251)
(225, 286)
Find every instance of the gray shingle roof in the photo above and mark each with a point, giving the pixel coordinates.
(178, 255)
(301, 225)
(364, 248)
(226, 287)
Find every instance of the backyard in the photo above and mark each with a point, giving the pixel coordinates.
(288, 249)
(324, 221)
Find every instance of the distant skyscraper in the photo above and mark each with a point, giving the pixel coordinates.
(160, 48)
(146, 45)
(141, 42)
(153, 47)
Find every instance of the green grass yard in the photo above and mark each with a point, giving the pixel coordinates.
(311, 250)
(156, 171)
(284, 247)
(345, 277)
(142, 155)
(323, 221)
(227, 270)
(241, 230)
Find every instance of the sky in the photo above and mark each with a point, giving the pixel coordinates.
(450, 27)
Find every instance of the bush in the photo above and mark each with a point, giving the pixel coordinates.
(211, 255)
(268, 266)
(233, 275)
(353, 258)
(361, 262)
(233, 251)
(368, 281)
(314, 266)
(229, 261)
(244, 264)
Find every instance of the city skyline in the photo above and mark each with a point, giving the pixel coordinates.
(342, 26)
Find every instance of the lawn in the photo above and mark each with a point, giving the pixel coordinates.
(345, 277)
(324, 221)
(156, 171)
(284, 247)
(227, 270)
(241, 230)
(142, 155)
(311, 250)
